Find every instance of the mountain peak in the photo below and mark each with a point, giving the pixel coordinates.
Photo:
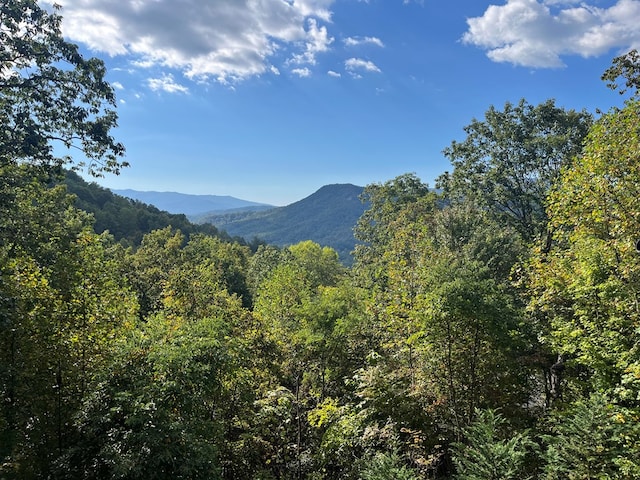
(326, 217)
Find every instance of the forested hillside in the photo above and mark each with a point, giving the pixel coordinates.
(126, 219)
(488, 331)
(327, 217)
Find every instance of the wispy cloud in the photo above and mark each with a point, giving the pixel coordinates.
(166, 83)
(538, 33)
(355, 41)
(318, 41)
(356, 65)
(223, 40)
(301, 72)
(331, 73)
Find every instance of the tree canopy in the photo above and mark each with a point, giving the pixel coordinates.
(508, 161)
(455, 347)
(51, 97)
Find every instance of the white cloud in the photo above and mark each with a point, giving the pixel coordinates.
(117, 85)
(331, 73)
(225, 40)
(302, 72)
(318, 41)
(166, 84)
(355, 41)
(355, 65)
(537, 34)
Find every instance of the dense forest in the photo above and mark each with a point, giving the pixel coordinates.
(487, 331)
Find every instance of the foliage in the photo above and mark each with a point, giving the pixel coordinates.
(50, 94)
(509, 160)
(486, 455)
(593, 438)
(130, 427)
(387, 466)
(193, 356)
(375, 227)
(63, 303)
(586, 288)
(450, 323)
(626, 66)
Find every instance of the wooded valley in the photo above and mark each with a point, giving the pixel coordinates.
(487, 331)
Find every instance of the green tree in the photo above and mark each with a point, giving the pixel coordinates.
(262, 263)
(155, 412)
(586, 288)
(486, 455)
(151, 265)
(508, 161)
(50, 94)
(626, 66)
(593, 438)
(63, 301)
(301, 308)
(375, 227)
(387, 466)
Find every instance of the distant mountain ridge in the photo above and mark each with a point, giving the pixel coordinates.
(190, 205)
(128, 220)
(327, 217)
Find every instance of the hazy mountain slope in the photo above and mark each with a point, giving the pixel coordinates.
(128, 220)
(326, 217)
(173, 202)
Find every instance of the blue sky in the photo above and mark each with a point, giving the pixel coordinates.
(268, 100)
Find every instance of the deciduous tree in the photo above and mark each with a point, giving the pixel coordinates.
(508, 161)
(51, 97)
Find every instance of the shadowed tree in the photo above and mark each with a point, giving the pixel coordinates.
(50, 96)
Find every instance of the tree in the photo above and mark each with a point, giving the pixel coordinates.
(628, 67)
(63, 301)
(586, 289)
(300, 307)
(151, 266)
(593, 438)
(509, 161)
(375, 227)
(50, 94)
(155, 411)
(450, 323)
(384, 466)
(486, 455)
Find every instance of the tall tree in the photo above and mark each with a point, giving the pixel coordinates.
(510, 159)
(586, 289)
(50, 94)
(450, 324)
(63, 300)
(593, 438)
(300, 307)
(62, 296)
(375, 227)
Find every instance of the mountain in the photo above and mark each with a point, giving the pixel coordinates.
(189, 205)
(126, 219)
(327, 217)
